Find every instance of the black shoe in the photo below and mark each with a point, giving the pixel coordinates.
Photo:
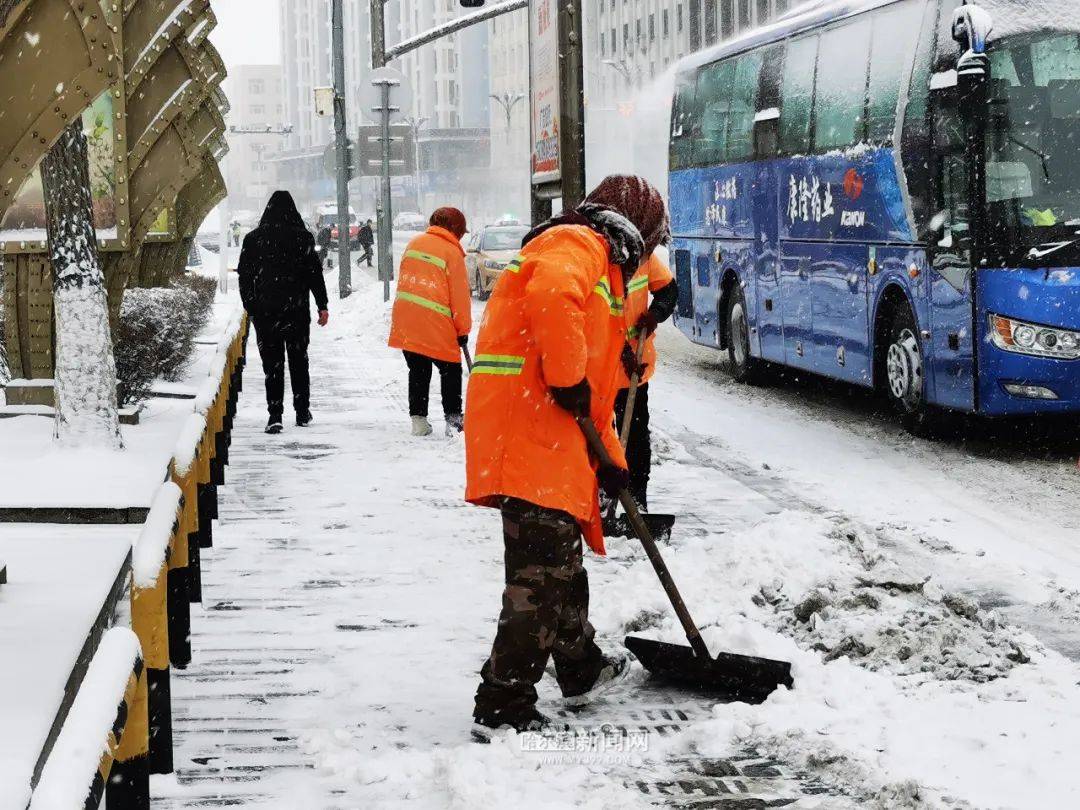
(274, 426)
(484, 730)
(304, 418)
(614, 672)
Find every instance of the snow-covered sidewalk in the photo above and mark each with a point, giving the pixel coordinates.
(351, 595)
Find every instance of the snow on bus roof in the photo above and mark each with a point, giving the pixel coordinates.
(801, 18)
(1011, 17)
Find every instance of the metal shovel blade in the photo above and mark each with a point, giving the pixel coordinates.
(733, 677)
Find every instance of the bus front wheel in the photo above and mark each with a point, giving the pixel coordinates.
(744, 366)
(905, 380)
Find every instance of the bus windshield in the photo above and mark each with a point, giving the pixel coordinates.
(1033, 143)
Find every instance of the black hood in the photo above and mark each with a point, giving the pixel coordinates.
(281, 211)
(627, 248)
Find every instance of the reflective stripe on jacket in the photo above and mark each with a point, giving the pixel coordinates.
(555, 316)
(433, 305)
(652, 276)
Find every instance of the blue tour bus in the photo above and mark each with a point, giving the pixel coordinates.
(887, 192)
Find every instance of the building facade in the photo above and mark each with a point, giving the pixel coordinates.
(448, 79)
(257, 99)
(508, 38)
(631, 47)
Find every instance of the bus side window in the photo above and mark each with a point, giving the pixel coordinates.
(797, 95)
(714, 92)
(766, 128)
(953, 217)
(683, 121)
(740, 140)
(895, 32)
(840, 95)
(915, 144)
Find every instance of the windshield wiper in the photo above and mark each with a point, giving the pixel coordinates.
(1045, 158)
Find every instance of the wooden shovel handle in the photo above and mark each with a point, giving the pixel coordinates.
(631, 396)
(693, 635)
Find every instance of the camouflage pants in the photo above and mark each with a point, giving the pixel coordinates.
(545, 612)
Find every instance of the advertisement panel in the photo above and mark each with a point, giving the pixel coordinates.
(544, 88)
(24, 221)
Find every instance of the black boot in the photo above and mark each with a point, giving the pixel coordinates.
(304, 418)
(274, 426)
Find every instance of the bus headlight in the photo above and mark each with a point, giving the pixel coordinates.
(1030, 338)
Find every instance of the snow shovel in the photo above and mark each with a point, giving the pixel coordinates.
(468, 358)
(659, 525)
(736, 677)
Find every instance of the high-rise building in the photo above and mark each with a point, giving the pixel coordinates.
(256, 98)
(632, 43)
(630, 49)
(449, 77)
(509, 116)
(448, 80)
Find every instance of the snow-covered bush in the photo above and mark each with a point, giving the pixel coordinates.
(156, 336)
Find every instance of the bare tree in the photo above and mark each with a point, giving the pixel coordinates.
(86, 412)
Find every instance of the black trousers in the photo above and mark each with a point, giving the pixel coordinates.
(368, 254)
(420, 384)
(545, 613)
(639, 446)
(278, 339)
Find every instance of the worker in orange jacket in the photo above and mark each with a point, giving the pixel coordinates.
(548, 353)
(654, 280)
(432, 317)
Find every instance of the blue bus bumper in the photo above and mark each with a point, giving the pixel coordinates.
(1045, 297)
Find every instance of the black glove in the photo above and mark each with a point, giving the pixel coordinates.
(646, 324)
(630, 364)
(613, 479)
(463, 341)
(577, 399)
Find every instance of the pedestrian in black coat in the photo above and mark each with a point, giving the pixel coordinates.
(279, 271)
(367, 241)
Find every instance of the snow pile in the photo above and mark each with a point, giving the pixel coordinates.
(888, 618)
(73, 763)
(467, 776)
(884, 660)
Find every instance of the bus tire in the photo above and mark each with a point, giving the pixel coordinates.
(904, 372)
(745, 368)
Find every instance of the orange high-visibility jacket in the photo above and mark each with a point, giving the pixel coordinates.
(555, 317)
(433, 305)
(652, 276)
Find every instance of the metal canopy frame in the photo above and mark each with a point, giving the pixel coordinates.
(74, 55)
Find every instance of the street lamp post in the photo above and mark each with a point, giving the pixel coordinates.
(416, 124)
(508, 101)
(341, 141)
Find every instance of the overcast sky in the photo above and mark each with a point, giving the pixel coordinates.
(247, 32)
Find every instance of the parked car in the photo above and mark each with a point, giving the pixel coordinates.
(410, 221)
(487, 254)
(327, 214)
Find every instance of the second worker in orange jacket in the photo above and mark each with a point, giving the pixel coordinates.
(549, 350)
(432, 317)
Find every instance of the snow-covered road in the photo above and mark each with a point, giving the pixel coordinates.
(351, 598)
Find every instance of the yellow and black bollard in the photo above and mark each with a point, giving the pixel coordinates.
(127, 781)
(149, 620)
(179, 602)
